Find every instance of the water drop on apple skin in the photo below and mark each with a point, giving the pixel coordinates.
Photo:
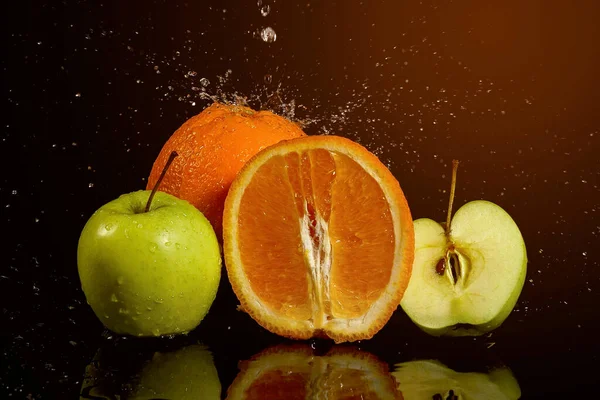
(120, 280)
(167, 244)
(153, 248)
(156, 332)
(113, 298)
(108, 227)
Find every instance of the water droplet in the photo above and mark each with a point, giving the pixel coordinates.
(153, 248)
(120, 280)
(77, 94)
(268, 78)
(156, 332)
(268, 35)
(204, 82)
(123, 311)
(167, 244)
(264, 10)
(14, 192)
(108, 226)
(91, 185)
(140, 226)
(158, 301)
(177, 246)
(113, 298)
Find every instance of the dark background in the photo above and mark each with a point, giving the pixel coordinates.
(92, 90)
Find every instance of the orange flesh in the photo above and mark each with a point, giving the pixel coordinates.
(346, 258)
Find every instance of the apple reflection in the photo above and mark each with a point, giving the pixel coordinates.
(293, 372)
(185, 373)
(430, 379)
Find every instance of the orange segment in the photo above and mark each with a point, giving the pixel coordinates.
(318, 239)
(294, 372)
(362, 232)
(266, 242)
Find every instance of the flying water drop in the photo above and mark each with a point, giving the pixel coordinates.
(268, 35)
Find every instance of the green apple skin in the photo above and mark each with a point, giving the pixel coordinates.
(493, 257)
(187, 373)
(149, 274)
(423, 379)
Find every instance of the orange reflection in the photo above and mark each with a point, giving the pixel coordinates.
(295, 372)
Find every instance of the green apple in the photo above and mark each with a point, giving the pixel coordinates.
(149, 271)
(187, 373)
(430, 379)
(467, 273)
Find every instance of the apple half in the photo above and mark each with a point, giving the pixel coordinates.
(466, 281)
(468, 272)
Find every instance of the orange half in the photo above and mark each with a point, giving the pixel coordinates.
(318, 239)
(295, 373)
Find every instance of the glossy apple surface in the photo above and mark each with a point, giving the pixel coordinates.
(149, 273)
(467, 282)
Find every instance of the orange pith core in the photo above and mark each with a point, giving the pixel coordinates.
(307, 253)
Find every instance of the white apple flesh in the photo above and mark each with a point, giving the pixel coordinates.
(466, 282)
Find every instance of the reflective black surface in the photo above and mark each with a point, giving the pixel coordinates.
(92, 90)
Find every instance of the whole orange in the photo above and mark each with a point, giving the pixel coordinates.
(213, 146)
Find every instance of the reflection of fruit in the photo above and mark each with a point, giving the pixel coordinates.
(212, 147)
(149, 273)
(185, 374)
(318, 239)
(188, 373)
(466, 279)
(294, 373)
(429, 379)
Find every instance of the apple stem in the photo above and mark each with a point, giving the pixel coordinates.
(160, 178)
(451, 201)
